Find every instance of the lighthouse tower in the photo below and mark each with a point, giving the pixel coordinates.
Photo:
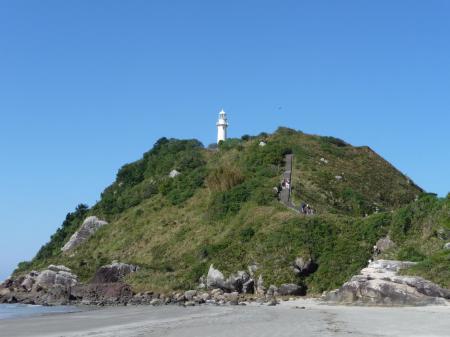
(222, 125)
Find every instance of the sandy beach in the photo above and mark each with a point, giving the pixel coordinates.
(287, 319)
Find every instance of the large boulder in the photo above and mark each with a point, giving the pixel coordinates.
(304, 266)
(384, 244)
(103, 293)
(215, 278)
(236, 281)
(56, 276)
(379, 284)
(291, 289)
(114, 272)
(90, 226)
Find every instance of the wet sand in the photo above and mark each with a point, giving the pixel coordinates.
(284, 320)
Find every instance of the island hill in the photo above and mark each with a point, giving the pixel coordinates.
(189, 217)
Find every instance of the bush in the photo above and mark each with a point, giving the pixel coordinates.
(410, 253)
(230, 143)
(246, 234)
(228, 202)
(224, 178)
(335, 141)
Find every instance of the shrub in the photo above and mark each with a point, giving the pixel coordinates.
(246, 234)
(224, 178)
(335, 141)
(228, 202)
(410, 253)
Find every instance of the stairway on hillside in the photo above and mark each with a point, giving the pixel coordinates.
(285, 193)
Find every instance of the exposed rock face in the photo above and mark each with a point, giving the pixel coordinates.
(379, 284)
(240, 281)
(384, 244)
(174, 173)
(291, 289)
(90, 226)
(103, 293)
(260, 288)
(114, 272)
(215, 278)
(304, 266)
(50, 286)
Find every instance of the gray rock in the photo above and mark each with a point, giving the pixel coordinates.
(174, 173)
(189, 295)
(249, 287)
(88, 228)
(236, 281)
(156, 302)
(189, 304)
(46, 279)
(379, 284)
(272, 291)
(114, 272)
(260, 288)
(59, 268)
(272, 302)
(28, 283)
(304, 266)
(291, 289)
(215, 278)
(384, 244)
(447, 246)
(253, 267)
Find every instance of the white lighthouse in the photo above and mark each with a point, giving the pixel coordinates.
(222, 125)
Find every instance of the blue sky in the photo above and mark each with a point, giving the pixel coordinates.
(86, 86)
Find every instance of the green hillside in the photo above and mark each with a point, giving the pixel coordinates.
(222, 209)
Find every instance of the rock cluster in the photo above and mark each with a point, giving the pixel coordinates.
(90, 226)
(380, 284)
(51, 286)
(58, 285)
(114, 272)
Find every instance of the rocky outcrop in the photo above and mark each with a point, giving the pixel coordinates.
(240, 281)
(215, 278)
(90, 226)
(103, 293)
(383, 245)
(114, 272)
(50, 286)
(379, 284)
(291, 289)
(304, 266)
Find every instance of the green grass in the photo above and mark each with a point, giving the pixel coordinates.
(221, 209)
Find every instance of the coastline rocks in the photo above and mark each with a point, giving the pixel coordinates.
(291, 289)
(103, 293)
(240, 281)
(114, 272)
(215, 278)
(379, 284)
(49, 287)
(90, 226)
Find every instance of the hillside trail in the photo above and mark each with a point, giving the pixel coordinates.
(285, 193)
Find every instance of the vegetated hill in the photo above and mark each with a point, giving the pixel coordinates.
(222, 209)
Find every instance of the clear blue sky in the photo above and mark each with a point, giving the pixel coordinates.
(86, 86)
